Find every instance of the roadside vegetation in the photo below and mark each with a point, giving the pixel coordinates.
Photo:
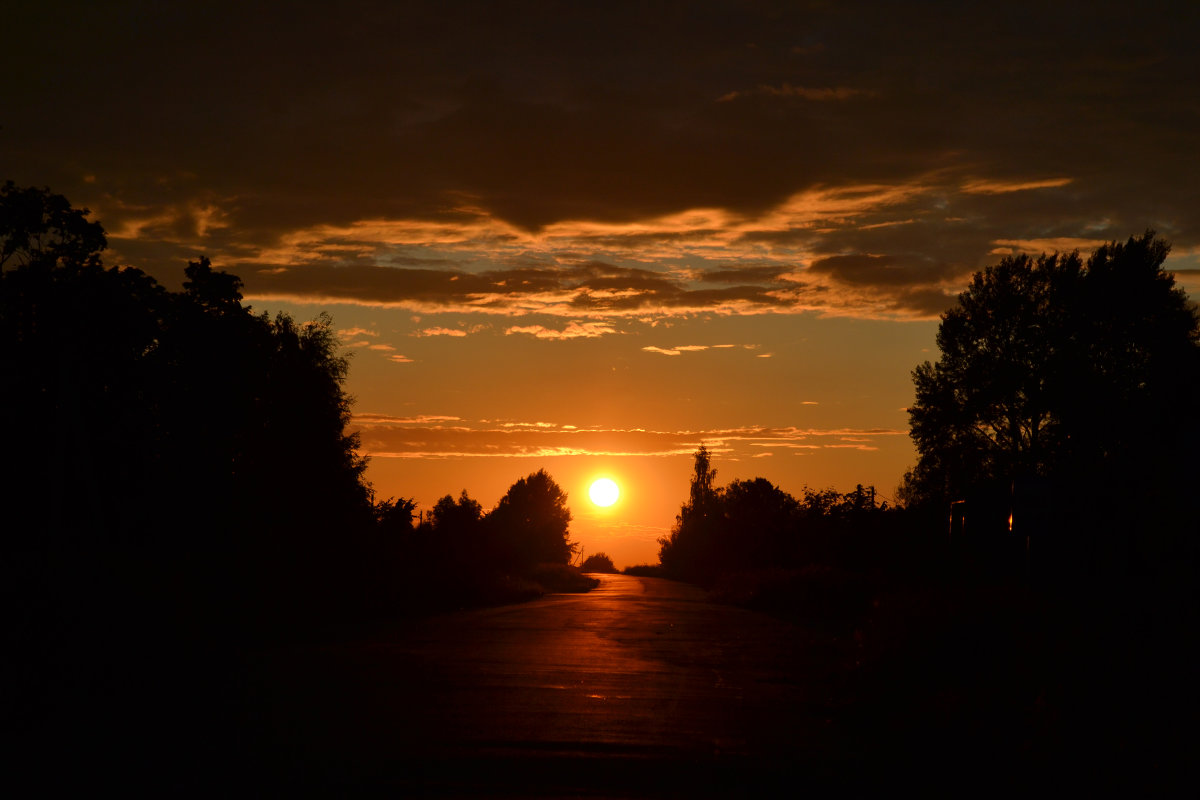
(1033, 593)
(598, 562)
(183, 461)
(182, 492)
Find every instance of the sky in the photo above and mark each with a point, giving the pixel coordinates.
(588, 237)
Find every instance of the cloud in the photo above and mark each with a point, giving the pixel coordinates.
(831, 141)
(388, 419)
(696, 348)
(677, 350)
(399, 359)
(350, 333)
(880, 271)
(983, 186)
(1062, 244)
(383, 347)
(575, 268)
(384, 437)
(455, 332)
(745, 275)
(573, 330)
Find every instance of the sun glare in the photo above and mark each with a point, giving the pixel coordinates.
(604, 492)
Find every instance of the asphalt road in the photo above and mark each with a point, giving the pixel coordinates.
(640, 687)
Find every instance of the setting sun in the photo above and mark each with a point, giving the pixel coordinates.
(604, 492)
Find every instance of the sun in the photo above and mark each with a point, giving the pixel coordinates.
(604, 492)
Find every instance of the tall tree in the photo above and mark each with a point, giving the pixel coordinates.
(173, 427)
(1080, 375)
(530, 523)
(689, 550)
(40, 228)
(1047, 363)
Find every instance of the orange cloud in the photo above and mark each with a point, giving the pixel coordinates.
(982, 186)
(384, 437)
(573, 330)
(454, 332)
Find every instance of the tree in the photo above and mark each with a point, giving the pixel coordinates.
(598, 562)
(177, 429)
(394, 516)
(40, 228)
(689, 550)
(759, 525)
(529, 525)
(1075, 374)
(987, 410)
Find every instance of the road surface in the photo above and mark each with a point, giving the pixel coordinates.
(640, 687)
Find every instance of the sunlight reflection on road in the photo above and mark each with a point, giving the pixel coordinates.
(638, 667)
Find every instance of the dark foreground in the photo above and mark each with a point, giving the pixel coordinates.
(645, 688)
(640, 688)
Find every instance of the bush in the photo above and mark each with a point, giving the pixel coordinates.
(598, 562)
(562, 578)
(817, 595)
(645, 571)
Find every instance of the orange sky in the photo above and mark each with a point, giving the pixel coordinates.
(588, 239)
(479, 411)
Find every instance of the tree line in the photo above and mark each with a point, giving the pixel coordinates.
(1054, 431)
(522, 545)
(1062, 408)
(180, 448)
(755, 525)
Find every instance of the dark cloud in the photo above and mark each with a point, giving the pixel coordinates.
(755, 274)
(591, 289)
(226, 128)
(872, 270)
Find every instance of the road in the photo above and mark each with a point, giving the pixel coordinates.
(639, 687)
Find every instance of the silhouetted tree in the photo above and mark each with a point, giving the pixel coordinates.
(1048, 363)
(689, 550)
(759, 525)
(178, 477)
(170, 428)
(1078, 374)
(755, 525)
(454, 536)
(530, 523)
(76, 374)
(394, 516)
(985, 411)
(598, 562)
(39, 228)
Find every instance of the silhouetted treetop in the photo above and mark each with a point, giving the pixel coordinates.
(168, 422)
(598, 562)
(1050, 364)
(755, 525)
(38, 227)
(530, 523)
(395, 515)
(211, 289)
